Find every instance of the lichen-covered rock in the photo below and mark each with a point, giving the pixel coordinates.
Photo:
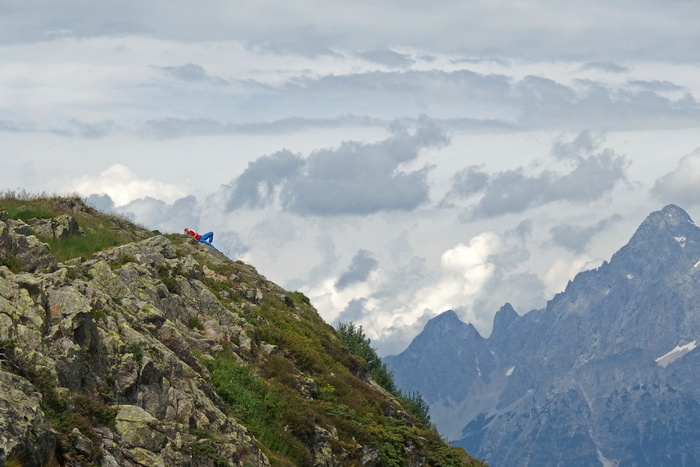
(139, 429)
(23, 250)
(25, 434)
(57, 227)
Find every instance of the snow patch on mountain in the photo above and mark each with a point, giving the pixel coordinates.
(607, 462)
(675, 354)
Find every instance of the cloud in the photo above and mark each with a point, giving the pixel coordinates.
(604, 66)
(583, 144)
(593, 173)
(164, 216)
(576, 238)
(192, 73)
(100, 202)
(305, 40)
(467, 182)
(173, 127)
(360, 268)
(123, 186)
(257, 186)
(87, 130)
(655, 85)
(681, 185)
(355, 178)
(388, 57)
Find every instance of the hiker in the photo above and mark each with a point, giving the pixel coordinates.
(206, 238)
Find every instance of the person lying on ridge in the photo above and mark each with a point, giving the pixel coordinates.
(206, 238)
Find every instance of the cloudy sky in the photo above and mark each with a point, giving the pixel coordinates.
(390, 159)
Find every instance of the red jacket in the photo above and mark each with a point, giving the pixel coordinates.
(194, 234)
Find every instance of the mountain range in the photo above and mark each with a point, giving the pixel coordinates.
(606, 374)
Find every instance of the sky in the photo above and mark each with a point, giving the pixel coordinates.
(389, 159)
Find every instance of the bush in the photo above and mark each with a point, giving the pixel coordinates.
(359, 344)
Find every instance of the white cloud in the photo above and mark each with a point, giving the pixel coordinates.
(681, 185)
(124, 186)
(563, 270)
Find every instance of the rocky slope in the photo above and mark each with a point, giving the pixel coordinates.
(124, 347)
(606, 374)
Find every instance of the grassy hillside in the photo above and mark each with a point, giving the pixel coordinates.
(274, 365)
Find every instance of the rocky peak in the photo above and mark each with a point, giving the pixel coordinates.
(503, 318)
(444, 323)
(670, 224)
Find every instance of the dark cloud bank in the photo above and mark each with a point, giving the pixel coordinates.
(594, 172)
(355, 179)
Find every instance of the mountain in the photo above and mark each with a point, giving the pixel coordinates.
(125, 347)
(606, 374)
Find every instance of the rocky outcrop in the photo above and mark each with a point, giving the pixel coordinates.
(110, 329)
(21, 250)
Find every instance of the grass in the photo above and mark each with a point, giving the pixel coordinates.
(269, 412)
(100, 230)
(67, 248)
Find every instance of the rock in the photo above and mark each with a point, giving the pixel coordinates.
(58, 227)
(25, 434)
(139, 429)
(24, 252)
(81, 443)
(321, 448)
(370, 457)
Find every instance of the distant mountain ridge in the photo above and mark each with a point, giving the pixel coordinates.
(606, 374)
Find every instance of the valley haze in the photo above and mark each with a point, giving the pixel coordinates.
(389, 160)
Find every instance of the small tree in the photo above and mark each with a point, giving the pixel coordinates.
(415, 404)
(359, 344)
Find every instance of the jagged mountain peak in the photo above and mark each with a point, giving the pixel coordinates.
(503, 318)
(669, 236)
(671, 221)
(444, 319)
(449, 323)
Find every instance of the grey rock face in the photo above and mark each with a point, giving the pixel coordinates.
(107, 339)
(606, 374)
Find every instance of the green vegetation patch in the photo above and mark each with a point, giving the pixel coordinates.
(101, 230)
(274, 414)
(82, 246)
(12, 262)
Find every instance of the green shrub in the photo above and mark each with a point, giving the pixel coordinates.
(13, 263)
(205, 449)
(414, 403)
(194, 323)
(359, 344)
(171, 284)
